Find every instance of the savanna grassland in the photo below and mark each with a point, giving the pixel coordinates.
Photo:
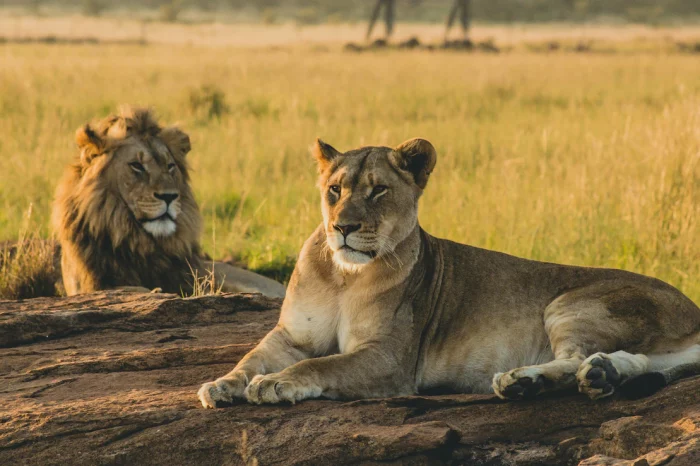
(579, 158)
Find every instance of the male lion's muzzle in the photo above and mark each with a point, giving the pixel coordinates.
(161, 214)
(168, 198)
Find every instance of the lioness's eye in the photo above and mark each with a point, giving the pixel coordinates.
(335, 189)
(137, 167)
(378, 190)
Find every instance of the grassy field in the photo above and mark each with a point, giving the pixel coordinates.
(590, 159)
(222, 34)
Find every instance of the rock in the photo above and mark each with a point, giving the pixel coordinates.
(380, 44)
(111, 378)
(689, 47)
(464, 44)
(410, 43)
(352, 47)
(627, 436)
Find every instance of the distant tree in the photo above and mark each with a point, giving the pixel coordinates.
(460, 9)
(263, 4)
(268, 16)
(170, 11)
(308, 15)
(34, 6)
(389, 8)
(93, 7)
(205, 5)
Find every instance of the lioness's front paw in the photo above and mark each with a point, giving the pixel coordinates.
(222, 391)
(518, 384)
(597, 376)
(274, 388)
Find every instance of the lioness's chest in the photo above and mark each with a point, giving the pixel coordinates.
(359, 321)
(330, 324)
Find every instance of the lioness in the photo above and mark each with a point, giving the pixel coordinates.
(126, 217)
(378, 307)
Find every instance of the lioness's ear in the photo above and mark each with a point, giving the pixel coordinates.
(90, 144)
(324, 154)
(178, 141)
(418, 157)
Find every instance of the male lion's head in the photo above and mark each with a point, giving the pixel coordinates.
(370, 198)
(131, 185)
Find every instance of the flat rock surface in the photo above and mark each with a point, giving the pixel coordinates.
(111, 378)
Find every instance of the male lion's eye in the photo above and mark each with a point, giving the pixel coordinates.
(171, 167)
(378, 191)
(137, 167)
(335, 189)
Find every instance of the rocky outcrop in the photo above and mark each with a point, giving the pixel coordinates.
(111, 378)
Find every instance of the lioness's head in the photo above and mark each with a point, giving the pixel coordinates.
(370, 198)
(141, 164)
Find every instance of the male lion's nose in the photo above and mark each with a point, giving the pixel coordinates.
(345, 230)
(167, 197)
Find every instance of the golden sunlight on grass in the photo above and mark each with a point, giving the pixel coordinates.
(590, 159)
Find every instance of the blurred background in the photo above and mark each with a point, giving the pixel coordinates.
(346, 20)
(566, 130)
(319, 11)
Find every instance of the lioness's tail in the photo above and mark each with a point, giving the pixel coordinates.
(686, 364)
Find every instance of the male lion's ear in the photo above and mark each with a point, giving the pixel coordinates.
(90, 144)
(324, 154)
(417, 156)
(178, 141)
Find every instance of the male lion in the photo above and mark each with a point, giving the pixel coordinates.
(126, 217)
(378, 307)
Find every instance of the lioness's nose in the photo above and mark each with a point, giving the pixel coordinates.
(345, 230)
(167, 197)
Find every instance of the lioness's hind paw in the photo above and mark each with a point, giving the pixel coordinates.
(517, 385)
(597, 376)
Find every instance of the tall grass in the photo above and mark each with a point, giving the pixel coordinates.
(590, 159)
(28, 266)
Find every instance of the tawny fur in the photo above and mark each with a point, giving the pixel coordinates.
(107, 202)
(378, 307)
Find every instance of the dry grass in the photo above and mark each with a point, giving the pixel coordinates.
(203, 285)
(588, 159)
(28, 266)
